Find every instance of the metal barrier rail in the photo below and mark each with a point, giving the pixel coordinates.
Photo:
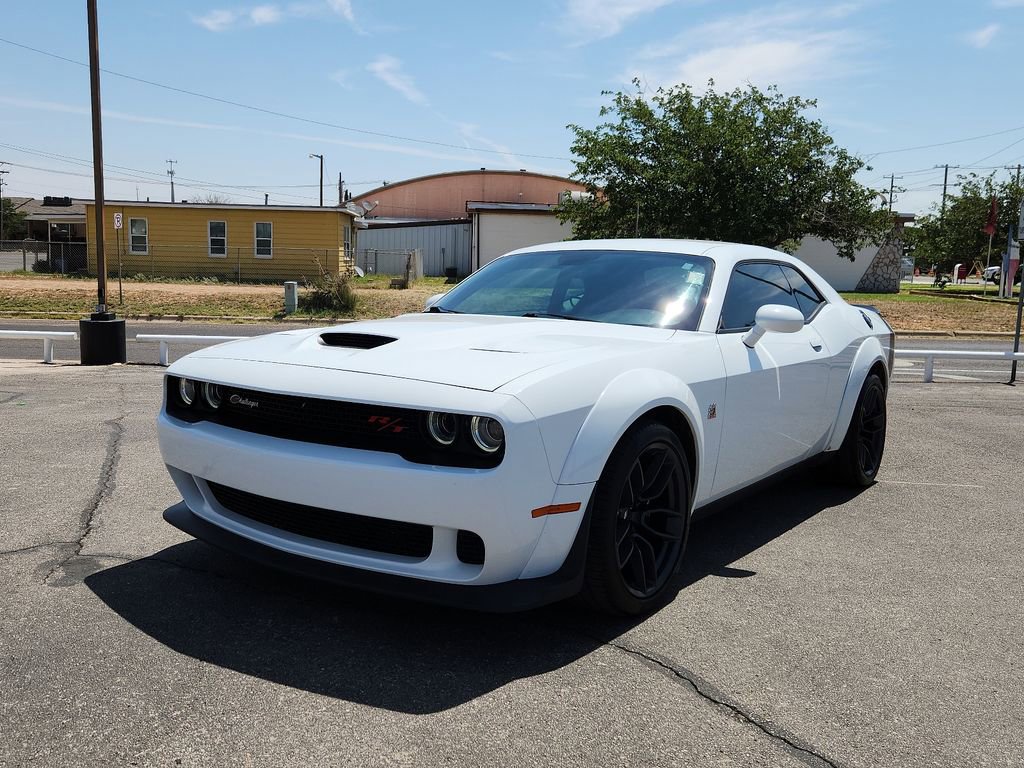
(929, 356)
(48, 337)
(167, 339)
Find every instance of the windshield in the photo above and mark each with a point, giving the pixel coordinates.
(659, 290)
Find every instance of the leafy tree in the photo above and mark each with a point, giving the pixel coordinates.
(745, 165)
(14, 221)
(956, 236)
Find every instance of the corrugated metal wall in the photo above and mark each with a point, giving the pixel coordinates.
(442, 245)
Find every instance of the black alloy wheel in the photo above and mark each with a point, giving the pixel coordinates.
(859, 457)
(640, 521)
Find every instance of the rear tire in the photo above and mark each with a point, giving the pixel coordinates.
(640, 522)
(857, 461)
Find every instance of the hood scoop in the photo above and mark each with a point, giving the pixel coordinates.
(355, 340)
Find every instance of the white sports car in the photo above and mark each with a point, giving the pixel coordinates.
(547, 427)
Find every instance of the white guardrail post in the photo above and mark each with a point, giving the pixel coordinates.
(929, 355)
(166, 339)
(48, 337)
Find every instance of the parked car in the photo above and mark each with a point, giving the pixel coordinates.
(547, 427)
(995, 275)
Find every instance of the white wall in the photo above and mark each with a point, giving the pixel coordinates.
(497, 233)
(842, 274)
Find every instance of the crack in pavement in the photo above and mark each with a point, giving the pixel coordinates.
(11, 398)
(793, 744)
(104, 487)
(31, 547)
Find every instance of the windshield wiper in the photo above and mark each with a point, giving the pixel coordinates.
(558, 317)
(435, 308)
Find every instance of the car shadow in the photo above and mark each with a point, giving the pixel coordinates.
(389, 653)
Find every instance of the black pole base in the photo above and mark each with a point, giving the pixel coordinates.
(102, 340)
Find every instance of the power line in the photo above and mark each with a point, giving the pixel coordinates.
(286, 115)
(939, 144)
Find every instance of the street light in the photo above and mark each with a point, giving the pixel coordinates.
(312, 155)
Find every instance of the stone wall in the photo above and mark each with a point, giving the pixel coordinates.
(883, 276)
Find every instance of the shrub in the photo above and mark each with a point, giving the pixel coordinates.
(327, 293)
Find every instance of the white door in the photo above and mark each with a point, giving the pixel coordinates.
(774, 412)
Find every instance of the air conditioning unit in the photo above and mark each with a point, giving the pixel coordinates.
(63, 202)
(573, 196)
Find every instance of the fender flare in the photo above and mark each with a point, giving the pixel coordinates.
(623, 401)
(870, 352)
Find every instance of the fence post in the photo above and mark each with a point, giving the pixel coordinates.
(24, 258)
(238, 265)
(929, 366)
(47, 350)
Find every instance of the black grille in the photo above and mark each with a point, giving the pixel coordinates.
(469, 548)
(355, 340)
(372, 533)
(332, 422)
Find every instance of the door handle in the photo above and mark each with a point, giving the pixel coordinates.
(816, 347)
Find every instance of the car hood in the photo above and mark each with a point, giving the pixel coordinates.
(473, 351)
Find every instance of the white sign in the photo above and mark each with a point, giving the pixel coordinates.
(118, 220)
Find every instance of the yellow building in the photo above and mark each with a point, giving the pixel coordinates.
(230, 242)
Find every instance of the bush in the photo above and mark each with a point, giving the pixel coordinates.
(40, 265)
(328, 293)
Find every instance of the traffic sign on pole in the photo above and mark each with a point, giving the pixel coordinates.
(118, 220)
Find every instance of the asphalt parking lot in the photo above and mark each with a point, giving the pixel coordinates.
(812, 626)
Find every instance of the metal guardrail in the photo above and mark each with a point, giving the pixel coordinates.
(48, 337)
(166, 339)
(929, 356)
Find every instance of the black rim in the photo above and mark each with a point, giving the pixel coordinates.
(651, 520)
(871, 436)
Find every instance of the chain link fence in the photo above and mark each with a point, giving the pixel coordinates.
(225, 264)
(39, 256)
(375, 261)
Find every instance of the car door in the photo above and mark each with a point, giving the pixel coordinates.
(775, 391)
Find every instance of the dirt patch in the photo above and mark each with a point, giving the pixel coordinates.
(947, 315)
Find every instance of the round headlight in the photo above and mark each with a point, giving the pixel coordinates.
(187, 391)
(211, 394)
(443, 427)
(486, 433)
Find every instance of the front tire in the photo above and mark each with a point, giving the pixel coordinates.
(860, 455)
(640, 521)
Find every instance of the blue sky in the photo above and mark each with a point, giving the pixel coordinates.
(481, 84)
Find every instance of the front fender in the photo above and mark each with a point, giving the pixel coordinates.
(623, 401)
(870, 352)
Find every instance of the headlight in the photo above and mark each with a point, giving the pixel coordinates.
(442, 427)
(187, 391)
(211, 394)
(486, 433)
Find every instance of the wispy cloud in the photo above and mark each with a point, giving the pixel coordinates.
(471, 135)
(221, 19)
(388, 70)
(980, 38)
(342, 77)
(590, 20)
(75, 109)
(783, 46)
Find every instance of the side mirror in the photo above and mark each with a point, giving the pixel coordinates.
(777, 318)
(433, 300)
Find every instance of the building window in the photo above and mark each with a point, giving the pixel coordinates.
(348, 241)
(264, 239)
(139, 235)
(218, 232)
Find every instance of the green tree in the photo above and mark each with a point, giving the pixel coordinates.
(745, 165)
(14, 221)
(956, 237)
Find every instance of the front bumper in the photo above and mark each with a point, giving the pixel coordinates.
(495, 504)
(509, 596)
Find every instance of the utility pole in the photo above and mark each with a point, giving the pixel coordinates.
(945, 182)
(892, 188)
(2, 172)
(101, 337)
(341, 189)
(312, 155)
(170, 172)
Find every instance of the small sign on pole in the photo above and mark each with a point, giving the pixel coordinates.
(118, 220)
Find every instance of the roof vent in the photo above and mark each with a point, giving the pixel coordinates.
(355, 340)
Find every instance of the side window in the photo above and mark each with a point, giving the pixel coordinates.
(751, 286)
(139, 235)
(264, 239)
(218, 236)
(806, 295)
